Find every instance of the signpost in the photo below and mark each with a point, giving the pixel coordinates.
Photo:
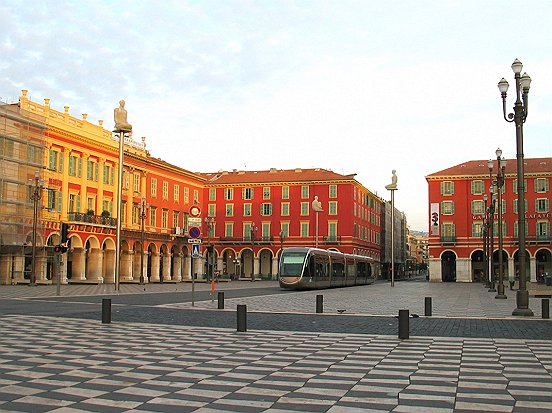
(194, 231)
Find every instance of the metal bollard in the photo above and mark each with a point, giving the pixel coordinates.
(404, 328)
(545, 308)
(428, 306)
(220, 298)
(319, 303)
(106, 310)
(242, 317)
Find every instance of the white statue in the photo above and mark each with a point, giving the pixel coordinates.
(120, 116)
(317, 205)
(393, 185)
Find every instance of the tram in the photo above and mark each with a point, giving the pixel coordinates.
(303, 268)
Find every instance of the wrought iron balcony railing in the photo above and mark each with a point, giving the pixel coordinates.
(92, 219)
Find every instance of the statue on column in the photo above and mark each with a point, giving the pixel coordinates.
(316, 205)
(393, 185)
(120, 116)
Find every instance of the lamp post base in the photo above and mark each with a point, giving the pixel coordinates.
(522, 304)
(500, 294)
(492, 288)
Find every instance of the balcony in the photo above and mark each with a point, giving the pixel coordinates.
(448, 239)
(267, 239)
(92, 219)
(332, 239)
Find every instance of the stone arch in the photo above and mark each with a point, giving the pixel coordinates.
(109, 256)
(448, 266)
(478, 267)
(93, 263)
(176, 263)
(186, 263)
(164, 263)
(247, 256)
(52, 261)
(543, 262)
(75, 258)
(231, 263)
(266, 269)
(153, 263)
(527, 264)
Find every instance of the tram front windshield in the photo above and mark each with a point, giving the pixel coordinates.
(292, 264)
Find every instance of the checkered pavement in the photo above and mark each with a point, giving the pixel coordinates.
(68, 365)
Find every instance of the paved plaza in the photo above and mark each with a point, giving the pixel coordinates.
(72, 362)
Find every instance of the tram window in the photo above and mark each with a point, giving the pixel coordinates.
(361, 269)
(292, 264)
(338, 269)
(351, 269)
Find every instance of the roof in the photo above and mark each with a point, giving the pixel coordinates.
(274, 175)
(470, 168)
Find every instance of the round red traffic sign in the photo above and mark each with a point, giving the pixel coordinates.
(194, 232)
(195, 211)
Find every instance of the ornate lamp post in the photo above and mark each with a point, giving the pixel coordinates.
(490, 227)
(499, 184)
(35, 189)
(392, 187)
(519, 116)
(485, 234)
(143, 206)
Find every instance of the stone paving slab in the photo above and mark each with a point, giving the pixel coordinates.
(50, 364)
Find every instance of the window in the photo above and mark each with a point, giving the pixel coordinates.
(266, 209)
(229, 229)
(516, 228)
(333, 191)
(211, 210)
(229, 210)
(447, 207)
(543, 230)
(74, 203)
(247, 231)
(55, 200)
(477, 187)
(136, 184)
(196, 196)
(285, 192)
(542, 205)
(108, 173)
(266, 193)
(153, 216)
(107, 205)
(153, 187)
(265, 231)
(246, 210)
(165, 190)
(304, 229)
(176, 216)
(304, 208)
(176, 192)
(332, 230)
(477, 227)
(165, 218)
(515, 185)
(55, 160)
(92, 170)
(247, 193)
(541, 185)
(477, 207)
(186, 195)
(75, 166)
(332, 208)
(90, 204)
(135, 213)
(123, 212)
(304, 192)
(447, 188)
(212, 194)
(285, 229)
(495, 228)
(229, 194)
(516, 205)
(448, 230)
(285, 209)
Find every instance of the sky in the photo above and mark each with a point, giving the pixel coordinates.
(360, 87)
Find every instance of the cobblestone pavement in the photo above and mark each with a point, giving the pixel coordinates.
(70, 365)
(160, 354)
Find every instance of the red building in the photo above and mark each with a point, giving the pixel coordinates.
(456, 214)
(252, 215)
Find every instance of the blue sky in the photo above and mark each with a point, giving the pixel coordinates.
(354, 86)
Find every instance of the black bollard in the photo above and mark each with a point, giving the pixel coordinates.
(319, 303)
(545, 308)
(220, 297)
(404, 324)
(428, 306)
(106, 310)
(242, 317)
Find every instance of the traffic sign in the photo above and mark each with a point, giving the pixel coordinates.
(195, 250)
(195, 211)
(194, 222)
(194, 232)
(194, 240)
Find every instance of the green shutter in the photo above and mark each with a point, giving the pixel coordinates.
(60, 162)
(77, 203)
(59, 201)
(52, 160)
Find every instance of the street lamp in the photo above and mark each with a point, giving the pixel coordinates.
(35, 189)
(253, 231)
(210, 222)
(519, 116)
(392, 187)
(490, 234)
(143, 206)
(499, 184)
(485, 243)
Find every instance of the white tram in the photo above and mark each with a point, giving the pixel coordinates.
(303, 268)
